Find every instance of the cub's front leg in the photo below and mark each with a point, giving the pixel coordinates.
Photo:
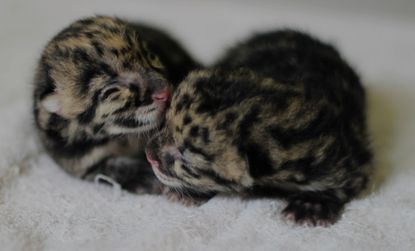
(133, 174)
(314, 208)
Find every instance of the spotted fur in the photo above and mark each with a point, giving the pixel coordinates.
(102, 85)
(281, 114)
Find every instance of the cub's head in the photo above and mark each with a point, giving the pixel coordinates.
(100, 73)
(214, 132)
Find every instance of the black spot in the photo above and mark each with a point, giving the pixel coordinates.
(134, 89)
(56, 122)
(194, 131)
(89, 35)
(248, 121)
(97, 128)
(57, 139)
(139, 57)
(187, 119)
(197, 150)
(89, 73)
(179, 107)
(98, 48)
(60, 52)
(127, 37)
(87, 116)
(115, 52)
(230, 117)
(260, 164)
(106, 69)
(81, 56)
(124, 50)
(184, 102)
(127, 65)
(141, 52)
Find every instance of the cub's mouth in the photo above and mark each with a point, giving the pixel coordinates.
(152, 159)
(163, 172)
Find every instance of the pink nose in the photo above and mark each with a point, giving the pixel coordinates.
(162, 96)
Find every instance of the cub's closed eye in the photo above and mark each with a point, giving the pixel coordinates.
(106, 93)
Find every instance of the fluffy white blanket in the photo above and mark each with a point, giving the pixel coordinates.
(42, 208)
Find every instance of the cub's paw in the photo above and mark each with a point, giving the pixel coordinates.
(185, 198)
(313, 209)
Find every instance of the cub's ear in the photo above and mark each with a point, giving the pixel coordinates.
(52, 103)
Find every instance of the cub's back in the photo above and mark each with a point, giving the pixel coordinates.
(280, 113)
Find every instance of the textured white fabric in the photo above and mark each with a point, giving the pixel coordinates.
(42, 208)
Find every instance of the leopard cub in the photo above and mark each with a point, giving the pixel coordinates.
(281, 114)
(101, 88)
